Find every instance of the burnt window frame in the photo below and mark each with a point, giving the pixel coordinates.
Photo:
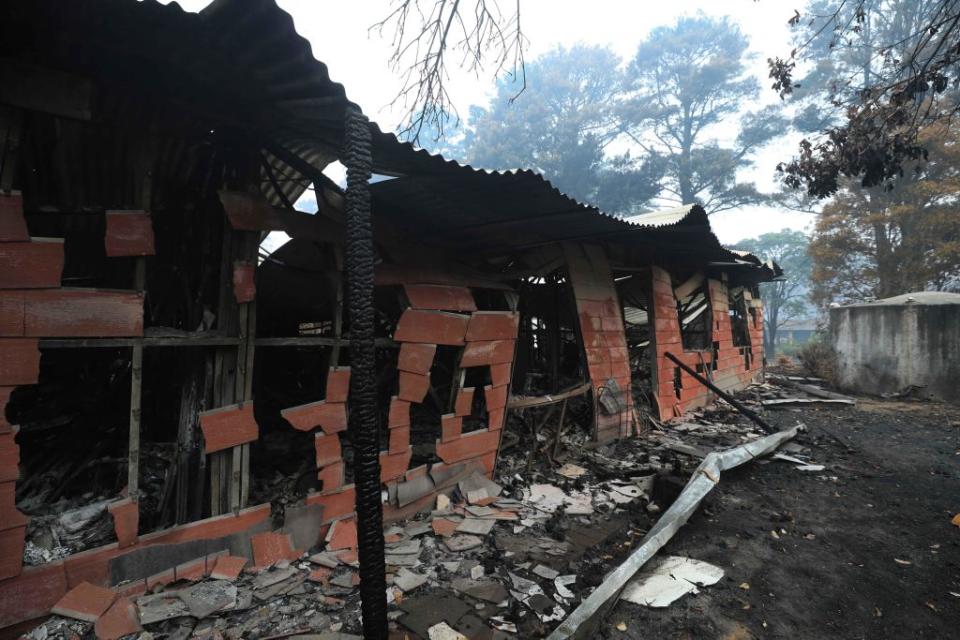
(705, 318)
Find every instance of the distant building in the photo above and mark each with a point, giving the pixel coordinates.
(798, 331)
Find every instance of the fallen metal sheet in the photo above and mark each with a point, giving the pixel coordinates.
(673, 578)
(790, 401)
(706, 476)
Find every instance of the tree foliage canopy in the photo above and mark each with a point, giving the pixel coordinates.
(683, 80)
(880, 242)
(672, 103)
(877, 72)
(561, 127)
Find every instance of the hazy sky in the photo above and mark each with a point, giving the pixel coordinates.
(338, 33)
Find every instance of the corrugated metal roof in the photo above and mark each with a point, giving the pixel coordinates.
(241, 65)
(663, 218)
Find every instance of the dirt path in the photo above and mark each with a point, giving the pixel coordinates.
(832, 570)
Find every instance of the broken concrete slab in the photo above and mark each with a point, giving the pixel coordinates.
(524, 586)
(561, 583)
(459, 543)
(486, 590)
(443, 631)
(325, 559)
(423, 612)
(161, 606)
(414, 529)
(404, 548)
(209, 597)
(476, 526)
(402, 560)
(303, 523)
(273, 576)
(408, 580)
(479, 482)
(545, 572)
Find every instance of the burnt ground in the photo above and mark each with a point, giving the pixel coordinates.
(833, 570)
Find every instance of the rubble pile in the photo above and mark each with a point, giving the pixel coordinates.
(510, 558)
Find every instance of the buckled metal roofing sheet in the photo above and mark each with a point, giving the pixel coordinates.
(241, 65)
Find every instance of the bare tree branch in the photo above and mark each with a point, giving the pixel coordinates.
(424, 35)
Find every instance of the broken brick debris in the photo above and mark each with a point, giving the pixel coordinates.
(439, 297)
(121, 619)
(464, 402)
(431, 327)
(128, 233)
(338, 384)
(271, 547)
(85, 602)
(342, 535)
(126, 520)
(244, 286)
(228, 427)
(413, 386)
(228, 567)
(416, 358)
(327, 449)
(331, 417)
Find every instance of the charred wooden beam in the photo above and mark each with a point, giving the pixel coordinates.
(363, 380)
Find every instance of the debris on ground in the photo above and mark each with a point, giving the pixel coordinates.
(672, 578)
(511, 557)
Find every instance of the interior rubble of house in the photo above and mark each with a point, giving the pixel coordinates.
(170, 388)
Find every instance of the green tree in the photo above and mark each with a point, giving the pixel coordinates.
(785, 299)
(561, 126)
(880, 242)
(683, 81)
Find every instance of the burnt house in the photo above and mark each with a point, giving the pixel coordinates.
(166, 383)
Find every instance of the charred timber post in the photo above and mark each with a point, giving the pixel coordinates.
(736, 404)
(363, 391)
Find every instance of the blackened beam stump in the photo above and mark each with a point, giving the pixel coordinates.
(363, 392)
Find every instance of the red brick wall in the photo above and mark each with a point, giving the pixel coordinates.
(601, 325)
(730, 371)
(34, 306)
(438, 315)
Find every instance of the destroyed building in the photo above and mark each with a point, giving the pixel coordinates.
(166, 389)
(900, 345)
